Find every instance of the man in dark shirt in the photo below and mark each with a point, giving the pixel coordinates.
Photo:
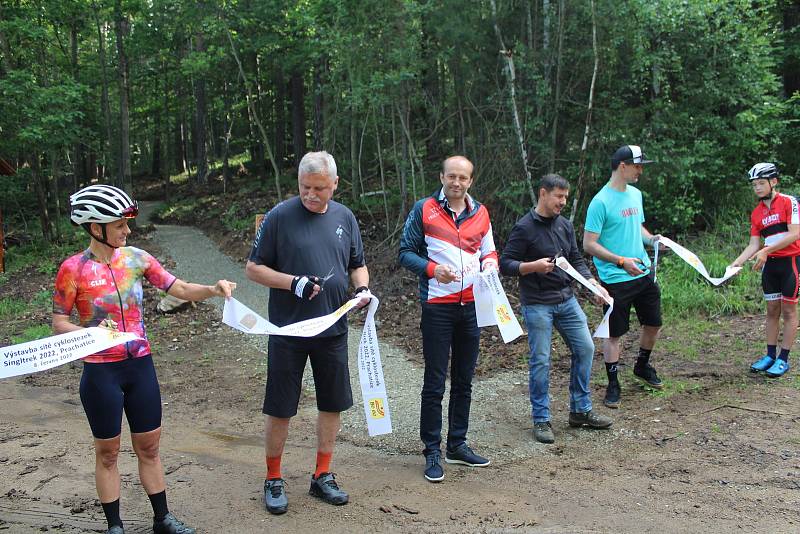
(307, 250)
(547, 299)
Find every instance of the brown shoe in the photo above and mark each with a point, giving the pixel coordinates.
(589, 419)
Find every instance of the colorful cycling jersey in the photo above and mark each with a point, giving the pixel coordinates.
(773, 222)
(112, 291)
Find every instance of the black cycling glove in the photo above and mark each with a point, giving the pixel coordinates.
(303, 286)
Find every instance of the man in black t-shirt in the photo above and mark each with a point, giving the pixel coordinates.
(307, 251)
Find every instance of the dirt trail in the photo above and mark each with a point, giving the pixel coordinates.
(693, 461)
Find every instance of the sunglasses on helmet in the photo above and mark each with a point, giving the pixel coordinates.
(131, 211)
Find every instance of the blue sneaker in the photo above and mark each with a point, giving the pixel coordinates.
(433, 468)
(778, 368)
(762, 365)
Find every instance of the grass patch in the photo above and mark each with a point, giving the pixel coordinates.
(31, 333)
(9, 307)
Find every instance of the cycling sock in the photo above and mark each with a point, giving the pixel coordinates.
(784, 355)
(323, 463)
(771, 350)
(159, 503)
(111, 510)
(644, 357)
(273, 467)
(611, 371)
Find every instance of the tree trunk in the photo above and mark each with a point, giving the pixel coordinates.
(297, 88)
(108, 151)
(791, 62)
(319, 105)
(508, 56)
(279, 82)
(122, 28)
(254, 116)
(227, 126)
(557, 99)
(41, 198)
(201, 112)
(585, 144)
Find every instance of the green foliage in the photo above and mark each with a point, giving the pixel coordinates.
(32, 333)
(10, 307)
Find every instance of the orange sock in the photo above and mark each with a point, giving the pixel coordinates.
(323, 463)
(273, 467)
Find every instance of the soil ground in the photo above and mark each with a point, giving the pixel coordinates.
(717, 451)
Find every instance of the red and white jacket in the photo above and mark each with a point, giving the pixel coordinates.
(433, 235)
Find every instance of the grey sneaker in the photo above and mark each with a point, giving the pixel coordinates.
(275, 496)
(543, 432)
(589, 419)
(326, 488)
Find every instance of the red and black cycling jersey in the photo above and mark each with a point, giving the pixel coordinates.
(772, 222)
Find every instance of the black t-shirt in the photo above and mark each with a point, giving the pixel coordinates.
(296, 241)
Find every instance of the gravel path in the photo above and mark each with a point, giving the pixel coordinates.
(500, 422)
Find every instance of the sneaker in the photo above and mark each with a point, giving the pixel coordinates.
(778, 368)
(543, 432)
(326, 488)
(763, 364)
(589, 419)
(463, 455)
(433, 469)
(275, 496)
(611, 399)
(647, 374)
(116, 529)
(171, 525)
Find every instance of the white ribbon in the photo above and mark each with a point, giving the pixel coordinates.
(691, 258)
(370, 370)
(492, 306)
(602, 328)
(49, 352)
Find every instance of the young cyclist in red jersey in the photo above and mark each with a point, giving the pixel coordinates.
(776, 220)
(104, 284)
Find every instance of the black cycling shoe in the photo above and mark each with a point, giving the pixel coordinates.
(326, 488)
(171, 525)
(611, 399)
(647, 374)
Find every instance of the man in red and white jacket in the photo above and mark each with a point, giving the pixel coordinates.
(447, 240)
(776, 220)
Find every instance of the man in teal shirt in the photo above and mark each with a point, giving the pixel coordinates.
(614, 234)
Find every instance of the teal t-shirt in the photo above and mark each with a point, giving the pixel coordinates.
(618, 216)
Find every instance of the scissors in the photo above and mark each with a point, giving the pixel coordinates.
(323, 279)
(558, 254)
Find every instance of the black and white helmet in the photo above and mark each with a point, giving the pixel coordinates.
(101, 204)
(762, 171)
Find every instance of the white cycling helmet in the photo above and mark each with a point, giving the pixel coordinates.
(762, 171)
(101, 204)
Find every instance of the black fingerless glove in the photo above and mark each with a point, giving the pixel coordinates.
(360, 290)
(303, 286)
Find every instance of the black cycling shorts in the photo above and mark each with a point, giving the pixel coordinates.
(109, 388)
(780, 279)
(645, 296)
(286, 362)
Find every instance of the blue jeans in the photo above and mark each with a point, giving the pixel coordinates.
(570, 321)
(445, 327)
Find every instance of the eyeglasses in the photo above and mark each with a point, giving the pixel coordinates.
(131, 211)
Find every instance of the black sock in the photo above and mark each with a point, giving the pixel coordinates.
(159, 503)
(611, 371)
(111, 509)
(771, 349)
(784, 355)
(644, 357)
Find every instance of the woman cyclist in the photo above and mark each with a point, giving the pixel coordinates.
(104, 284)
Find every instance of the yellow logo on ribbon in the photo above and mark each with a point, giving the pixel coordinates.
(502, 314)
(376, 410)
